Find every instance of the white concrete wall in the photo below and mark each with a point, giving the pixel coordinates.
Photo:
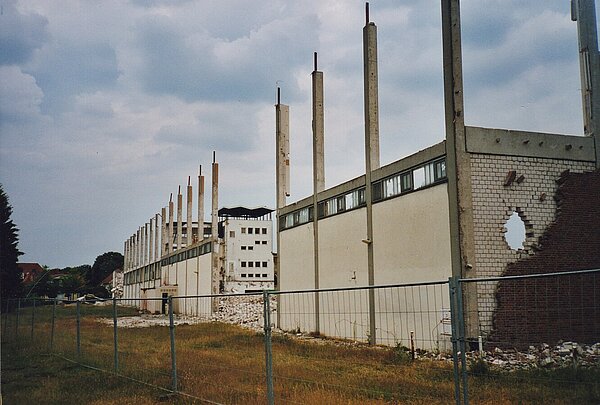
(411, 243)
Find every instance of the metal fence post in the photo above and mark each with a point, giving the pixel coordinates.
(268, 348)
(17, 321)
(454, 325)
(116, 347)
(32, 318)
(173, 358)
(462, 342)
(6, 317)
(78, 329)
(53, 322)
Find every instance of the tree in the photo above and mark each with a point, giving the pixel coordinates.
(11, 277)
(104, 265)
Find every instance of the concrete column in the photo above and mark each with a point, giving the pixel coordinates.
(458, 165)
(189, 227)
(584, 12)
(156, 238)
(371, 92)
(138, 250)
(125, 255)
(371, 151)
(163, 232)
(282, 141)
(170, 227)
(146, 244)
(151, 241)
(179, 218)
(130, 256)
(200, 204)
(282, 166)
(215, 273)
(318, 124)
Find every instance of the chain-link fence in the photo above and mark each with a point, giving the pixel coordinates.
(495, 340)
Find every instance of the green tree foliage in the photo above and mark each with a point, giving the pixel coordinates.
(10, 274)
(104, 265)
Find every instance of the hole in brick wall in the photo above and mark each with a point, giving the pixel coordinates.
(515, 231)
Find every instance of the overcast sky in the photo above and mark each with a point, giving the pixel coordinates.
(107, 106)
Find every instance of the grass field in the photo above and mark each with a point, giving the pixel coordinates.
(225, 364)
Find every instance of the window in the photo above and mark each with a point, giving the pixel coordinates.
(264, 264)
(257, 275)
(243, 264)
(232, 234)
(264, 275)
(302, 216)
(243, 247)
(250, 231)
(257, 242)
(391, 186)
(257, 264)
(440, 169)
(429, 173)
(250, 247)
(406, 181)
(250, 264)
(264, 242)
(264, 231)
(257, 231)
(243, 275)
(289, 220)
(243, 230)
(419, 177)
(377, 192)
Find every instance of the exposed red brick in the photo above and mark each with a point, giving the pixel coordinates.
(546, 310)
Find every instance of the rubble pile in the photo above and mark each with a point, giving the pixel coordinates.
(244, 311)
(564, 354)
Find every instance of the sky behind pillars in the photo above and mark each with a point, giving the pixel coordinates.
(106, 107)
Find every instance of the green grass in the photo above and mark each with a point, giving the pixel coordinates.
(225, 363)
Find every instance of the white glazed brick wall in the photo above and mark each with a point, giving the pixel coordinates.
(493, 204)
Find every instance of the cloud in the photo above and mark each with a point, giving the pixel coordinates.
(20, 34)
(21, 96)
(202, 67)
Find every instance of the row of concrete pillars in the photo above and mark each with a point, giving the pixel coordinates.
(372, 161)
(158, 238)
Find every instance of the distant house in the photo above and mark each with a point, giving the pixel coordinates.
(30, 271)
(107, 282)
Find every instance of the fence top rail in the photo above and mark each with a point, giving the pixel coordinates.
(525, 276)
(371, 287)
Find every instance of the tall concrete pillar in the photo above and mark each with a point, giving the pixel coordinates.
(138, 250)
(125, 256)
(164, 238)
(282, 167)
(200, 204)
(170, 229)
(584, 12)
(179, 218)
(131, 247)
(318, 124)
(458, 164)
(371, 92)
(371, 151)
(146, 244)
(282, 141)
(189, 228)
(157, 253)
(151, 241)
(215, 274)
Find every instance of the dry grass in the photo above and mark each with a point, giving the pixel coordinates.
(225, 364)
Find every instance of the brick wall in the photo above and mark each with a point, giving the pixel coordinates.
(546, 310)
(531, 195)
